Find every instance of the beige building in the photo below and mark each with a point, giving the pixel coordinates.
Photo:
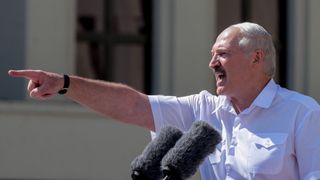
(58, 139)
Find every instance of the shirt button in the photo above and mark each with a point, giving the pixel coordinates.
(268, 143)
(235, 143)
(223, 142)
(228, 168)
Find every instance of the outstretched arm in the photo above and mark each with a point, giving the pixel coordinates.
(114, 100)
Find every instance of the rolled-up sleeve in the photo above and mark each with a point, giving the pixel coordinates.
(172, 111)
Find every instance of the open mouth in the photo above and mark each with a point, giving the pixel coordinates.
(220, 74)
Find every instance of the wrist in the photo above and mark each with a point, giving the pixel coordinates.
(66, 84)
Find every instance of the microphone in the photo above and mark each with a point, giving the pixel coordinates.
(182, 161)
(147, 166)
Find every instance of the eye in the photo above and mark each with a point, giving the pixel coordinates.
(222, 54)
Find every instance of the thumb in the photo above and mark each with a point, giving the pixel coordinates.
(34, 93)
(41, 92)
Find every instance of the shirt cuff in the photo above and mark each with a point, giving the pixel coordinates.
(156, 113)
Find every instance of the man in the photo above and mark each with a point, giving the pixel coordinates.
(268, 132)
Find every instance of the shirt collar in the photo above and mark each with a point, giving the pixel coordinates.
(266, 96)
(263, 100)
(225, 104)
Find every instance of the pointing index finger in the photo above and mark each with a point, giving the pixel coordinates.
(28, 74)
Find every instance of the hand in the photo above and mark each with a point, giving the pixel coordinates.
(42, 84)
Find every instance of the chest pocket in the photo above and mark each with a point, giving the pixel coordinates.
(267, 152)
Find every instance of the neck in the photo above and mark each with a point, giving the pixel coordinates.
(244, 100)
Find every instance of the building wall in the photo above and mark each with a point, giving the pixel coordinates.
(304, 38)
(46, 140)
(50, 35)
(313, 53)
(12, 47)
(184, 34)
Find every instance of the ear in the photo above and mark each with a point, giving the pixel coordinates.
(258, 56)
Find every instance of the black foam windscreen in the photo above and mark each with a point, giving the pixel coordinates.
(182, 161)
(147, 166)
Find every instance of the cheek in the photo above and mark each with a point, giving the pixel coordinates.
(239, 67)
(236, 74)
(232, 69)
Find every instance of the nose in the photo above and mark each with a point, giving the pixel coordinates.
(214, 62)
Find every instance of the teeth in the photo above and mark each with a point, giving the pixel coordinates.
(220, 74)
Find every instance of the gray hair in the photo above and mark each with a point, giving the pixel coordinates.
(255, 37)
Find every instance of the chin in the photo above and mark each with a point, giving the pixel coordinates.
(220, 91)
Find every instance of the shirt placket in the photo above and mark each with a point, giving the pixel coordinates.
(232, 143)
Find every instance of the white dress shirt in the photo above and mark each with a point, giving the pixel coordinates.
(277, 137)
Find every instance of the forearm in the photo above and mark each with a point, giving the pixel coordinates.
(114, 100)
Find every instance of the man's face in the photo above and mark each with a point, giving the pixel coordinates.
(231, 66)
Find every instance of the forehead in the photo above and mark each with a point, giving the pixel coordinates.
(227, 39)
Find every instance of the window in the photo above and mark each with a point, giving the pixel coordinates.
(114, 41)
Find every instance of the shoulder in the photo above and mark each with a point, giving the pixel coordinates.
(297, 99)
(206, 97)
(200, 99)
(207, 101)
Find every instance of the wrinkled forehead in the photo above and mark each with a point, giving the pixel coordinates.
(228, 38)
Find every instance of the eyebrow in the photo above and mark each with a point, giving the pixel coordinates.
(220, 50)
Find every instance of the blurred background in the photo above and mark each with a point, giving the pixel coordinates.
(157, 47)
